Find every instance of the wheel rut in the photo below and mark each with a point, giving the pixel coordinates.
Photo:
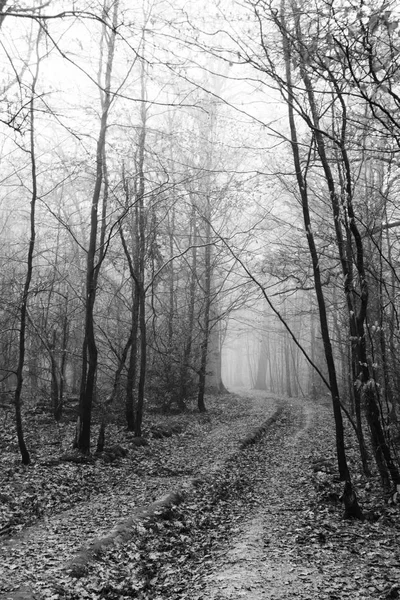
(257, 565)
(50, 544)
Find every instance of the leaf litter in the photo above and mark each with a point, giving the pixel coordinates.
(266, 523)
(50, 509)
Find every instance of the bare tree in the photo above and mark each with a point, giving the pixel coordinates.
(94, 252)
(23, 311)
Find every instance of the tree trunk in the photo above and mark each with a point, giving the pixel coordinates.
(89, 352)
(141, 260)
(143, 364)
(302, 186)
(187, 348)
(288, 371)
(133, 337)
(206, 318)
(261, 375)
(63, 360)
(54, 387)
(132, 367)
(29, 271)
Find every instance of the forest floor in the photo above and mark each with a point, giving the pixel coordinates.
(259, 522)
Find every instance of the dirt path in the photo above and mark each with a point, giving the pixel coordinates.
(257, 565)
(259, 526)
(296, 545)
(28, 560)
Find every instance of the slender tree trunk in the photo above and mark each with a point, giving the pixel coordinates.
(89, 352)
(352, 507)
(132, 343)
(132, 367)
(286, 361)
(187, 353)
(206, 319)
(117, 378)
(133, 337)
(54, 387)
(261, 376)
(21, 360)
(271, 371)
(392, 351)
(143, 363)
(171, 290)
(29, 271)
(63, 360)
(141, 260)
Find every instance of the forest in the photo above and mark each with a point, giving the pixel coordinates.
(198, 198)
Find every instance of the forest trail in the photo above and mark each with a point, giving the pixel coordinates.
(247, 568)
(39, 553)
(295, 544)
(259, 523)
